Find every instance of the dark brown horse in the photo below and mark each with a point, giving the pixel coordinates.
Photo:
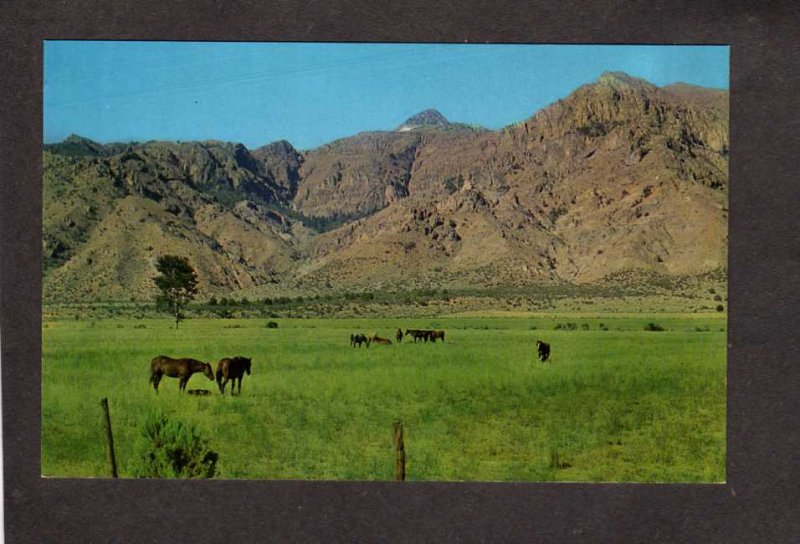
(375, 339)
(177, 368)
(398, 336)
(436, 334)
(544, 350)
(357, 339)
(417, 334)
(231, 369)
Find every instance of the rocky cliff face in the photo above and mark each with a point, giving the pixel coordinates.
(620, 175)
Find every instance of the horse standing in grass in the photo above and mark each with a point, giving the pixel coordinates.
(436, 334)
(357, 339)
(417, 334)
(177, 368)
(543, 349)
(398, 336)
(231, 369)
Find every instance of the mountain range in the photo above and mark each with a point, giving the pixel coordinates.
(620, 176)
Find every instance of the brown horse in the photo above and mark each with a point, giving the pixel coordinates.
(375, 339)
(232, 369)
(417, 334)
(436, 334)
(177, 368)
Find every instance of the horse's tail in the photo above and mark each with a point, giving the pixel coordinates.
(219, 376)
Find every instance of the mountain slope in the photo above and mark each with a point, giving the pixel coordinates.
(620, 175)
(108, 216)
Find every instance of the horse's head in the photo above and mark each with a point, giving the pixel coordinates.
(247, 363)
(207, 371)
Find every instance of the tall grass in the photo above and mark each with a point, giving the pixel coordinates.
(621, 404)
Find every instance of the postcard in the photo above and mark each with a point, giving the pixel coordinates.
(371, 262)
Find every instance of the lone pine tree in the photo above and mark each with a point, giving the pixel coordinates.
(177, 281)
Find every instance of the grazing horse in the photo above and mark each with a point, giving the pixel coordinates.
(177, 368)
(436, 334)
(543, 349)
(357, 339)
(231, 369)
(417, 334)
(398, 336)
(378, 340)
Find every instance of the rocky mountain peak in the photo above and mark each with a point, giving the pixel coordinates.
(76, 145)
(426, 118)
(621, 80)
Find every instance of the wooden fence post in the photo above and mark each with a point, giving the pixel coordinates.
(400, 452)
(112, 460)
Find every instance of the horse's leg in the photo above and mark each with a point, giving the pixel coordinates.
(155, 379)
(182, 383)
(240, 384)
(222, 386)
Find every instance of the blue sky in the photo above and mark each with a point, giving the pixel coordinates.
(310, 94)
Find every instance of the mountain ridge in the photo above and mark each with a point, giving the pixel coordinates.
(620, 175)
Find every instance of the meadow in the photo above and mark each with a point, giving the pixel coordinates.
(616, 402)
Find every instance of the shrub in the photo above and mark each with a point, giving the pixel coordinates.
(720, 307)
(653, 327)
(171, 449)
(272, 325)
(567, 326)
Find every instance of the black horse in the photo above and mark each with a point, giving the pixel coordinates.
(232, 369)
(543, 349)
(398, 336)
(357, 339)
(177, 368)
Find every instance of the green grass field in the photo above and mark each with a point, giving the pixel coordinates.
(616, 405)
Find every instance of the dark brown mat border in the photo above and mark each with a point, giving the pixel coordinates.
(758, 504)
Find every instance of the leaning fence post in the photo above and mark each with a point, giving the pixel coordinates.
(109, 438)
(400, 452)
